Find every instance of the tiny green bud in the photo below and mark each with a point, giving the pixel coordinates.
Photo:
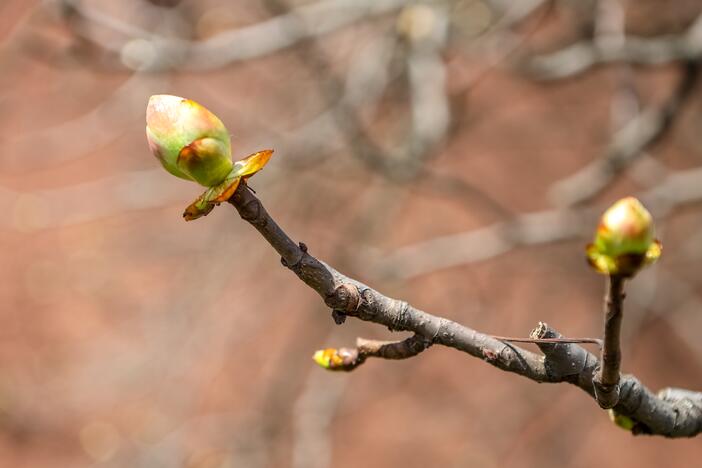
(326, 358)
(189, 140)
(624, 241)
(625, 422)
(342, 359)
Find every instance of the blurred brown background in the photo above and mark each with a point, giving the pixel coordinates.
(451, 153)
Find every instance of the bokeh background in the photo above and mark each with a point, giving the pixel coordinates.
(452, 153)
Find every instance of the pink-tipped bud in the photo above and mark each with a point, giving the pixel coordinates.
(624, 241)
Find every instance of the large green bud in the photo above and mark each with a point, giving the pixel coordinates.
(189, 140)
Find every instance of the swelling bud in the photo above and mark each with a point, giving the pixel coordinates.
(624, 241)
(189, 140)
(193, 144)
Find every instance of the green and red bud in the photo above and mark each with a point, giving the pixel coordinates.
(625, 228)
(624, 241)
(192, 143)
(189, 140)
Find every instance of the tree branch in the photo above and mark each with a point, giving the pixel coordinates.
(606, 381)
(673, 414)
(347, 359)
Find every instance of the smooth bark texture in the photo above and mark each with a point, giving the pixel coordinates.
(672, 413)
(606, 381)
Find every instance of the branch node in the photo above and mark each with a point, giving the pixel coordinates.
(338, 316)
(343, 300)
(607, 396)
(251, 212)
(562, 360)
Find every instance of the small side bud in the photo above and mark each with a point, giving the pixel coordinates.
(342, 359)
(624, 241)
(625, 422)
